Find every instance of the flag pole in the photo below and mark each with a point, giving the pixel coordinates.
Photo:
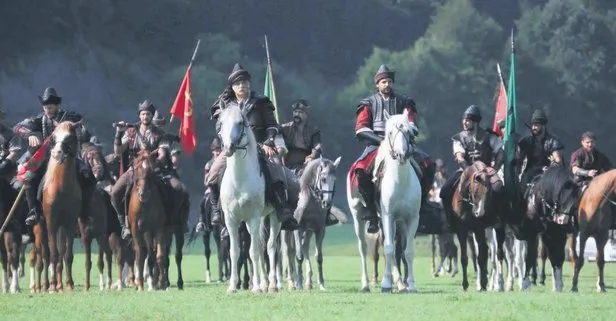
(269, 68)
(189, 65)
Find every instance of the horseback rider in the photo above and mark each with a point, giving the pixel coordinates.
(144, 136)
(259, 112)
(215, 148)
(168, 143)
(588, 162)
(10, 149)
(473, 144)
(540, 149)
(302, 138)
(36, 130)
(303, 141)
(372, 113)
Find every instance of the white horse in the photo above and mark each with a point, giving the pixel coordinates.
(242, 197)
(398, 203)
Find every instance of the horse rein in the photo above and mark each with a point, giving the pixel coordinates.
(406, 135)
(316, 189)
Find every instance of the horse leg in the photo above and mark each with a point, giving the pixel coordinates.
(288, 256)
(374, 246)
(22, 259)
(87, 244)
(579, 259)
(491, 242)
(500, 254)
(319, 237)
(433, 250)
(453, 257)
(473, 248)
(299, 256)
(162, 260)
(179, 244)
(462, 240)
(510, 257)
(207, 252)
(5, 268)
(555, 244)
(272, 250)
(254, 226)
(108, 252)
(13, 247)
(53, 257)
(306, 254)
(543, 252)
(360, 232)
(389, 232)
(531, 261)
(482, 258)
(69, 257)
(234, 249)
(601, 239)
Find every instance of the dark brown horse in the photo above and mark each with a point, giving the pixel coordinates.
(550, 209)
(474, 208)
(61, 198)
(148, 221)
(596, 216)
(10, 249)
(103, 229)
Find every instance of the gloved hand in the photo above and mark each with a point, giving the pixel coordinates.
(7, 167)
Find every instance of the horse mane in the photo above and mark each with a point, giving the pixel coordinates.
(554, 181)
(310, 172)
(604, 183)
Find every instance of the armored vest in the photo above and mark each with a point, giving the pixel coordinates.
(476, 147)
(381, 109)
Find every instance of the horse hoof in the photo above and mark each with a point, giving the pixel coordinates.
(574, 290)
(385, 290)
(365, 289)
(403, 290)
(308, 286)
(272, 289)
(257, 291)
(601, 290)
(322, 288)
(231, 290)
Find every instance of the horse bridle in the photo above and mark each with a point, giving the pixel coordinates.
(471, 200)
(316, 189)
(407, 138)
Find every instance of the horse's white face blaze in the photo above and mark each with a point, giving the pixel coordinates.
(59, 138)
(399, 137)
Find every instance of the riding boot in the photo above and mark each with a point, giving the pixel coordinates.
(284, 214)
(215, 202)
(366, 190)
(33, 204)
(200, 227)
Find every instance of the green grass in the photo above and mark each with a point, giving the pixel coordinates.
(438, 298)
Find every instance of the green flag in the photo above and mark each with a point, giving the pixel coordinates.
(511, 126)
(269, 91)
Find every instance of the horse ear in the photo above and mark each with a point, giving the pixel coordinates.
(337, 162)
(405, 112)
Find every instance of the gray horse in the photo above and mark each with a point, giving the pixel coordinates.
(317, 185)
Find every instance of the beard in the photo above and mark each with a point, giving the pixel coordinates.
(298, 120)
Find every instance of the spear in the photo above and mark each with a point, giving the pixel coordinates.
(271, 79)
(189, 65)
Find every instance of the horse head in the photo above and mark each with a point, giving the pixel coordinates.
(400, 137)
(558, 195)
(324, 180)
(64, 141)
(235, 133)
(475, 188)
(143, 167)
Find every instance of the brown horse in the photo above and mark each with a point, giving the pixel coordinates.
(10, 249)
(473, 209)
(148, 221)
(107, 234)
(61, 202)
(596, 215)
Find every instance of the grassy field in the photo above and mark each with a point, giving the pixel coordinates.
(438, 298)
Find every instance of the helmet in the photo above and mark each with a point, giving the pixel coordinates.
(473, 113)
(384, 72)
(146, 105)
(539, 117)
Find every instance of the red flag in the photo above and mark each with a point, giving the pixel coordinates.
(501, 107)
(25, 171)
(183, 109)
